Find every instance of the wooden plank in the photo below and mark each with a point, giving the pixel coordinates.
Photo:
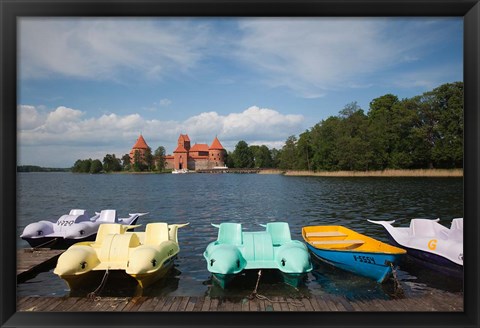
(275, 304)
(254, 305)
(160, 304)
(206, 304)
(213, 304)
(191, 303)
(326, 234)
(307, 303)
(168, 303)
(57, 301)
(317, 306)
(283, 304)
(68, 302)
(199, 304)
(430, 301)
(31, 260)
(338, 304)
(182, 306)
(134, 304)
(345, 303)
(22, 300)
(330, 303)
(147, 305)
(229, 305)
(245, 304)
(337, 242)
(175, 303)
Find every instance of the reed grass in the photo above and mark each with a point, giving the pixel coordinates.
(434, 173)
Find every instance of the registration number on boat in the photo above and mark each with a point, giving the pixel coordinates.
(364, 259)
(64, 223)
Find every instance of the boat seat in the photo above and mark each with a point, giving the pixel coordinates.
(230, 233)
(107, 229)
(326, 234)
(336, 242)
(280, 232)
(77, 212)
(156, 233)
(425, 228)
(108, 216)
(457, 224)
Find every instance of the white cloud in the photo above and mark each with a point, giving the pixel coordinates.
(165, 102)
(82, 137)
(313, 55)
(100, 48)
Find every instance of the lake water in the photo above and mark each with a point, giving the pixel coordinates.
(250, 199)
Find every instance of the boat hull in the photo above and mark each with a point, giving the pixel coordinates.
(292, 279)
(60, 242)
(371, 265)
(431, 261)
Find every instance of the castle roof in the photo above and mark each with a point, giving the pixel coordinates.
(140, 144)
(216, 145)
(184, 137)
(199, 147)
(180, 149)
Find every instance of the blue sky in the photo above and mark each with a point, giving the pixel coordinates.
(88, 87)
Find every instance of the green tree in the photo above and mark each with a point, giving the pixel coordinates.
(287, 156)
(381, 130)
(229, 160)
(126, 162)
(96, 166)
(261, 156)
(138, 164)
(111, 163)
(159, 156)
(324, 136)
(242, 155)
(149, 163)
(304, 152)
(352, 147)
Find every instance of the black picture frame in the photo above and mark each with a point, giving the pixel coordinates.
(11, 10)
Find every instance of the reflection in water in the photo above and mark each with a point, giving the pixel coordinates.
(202, 199)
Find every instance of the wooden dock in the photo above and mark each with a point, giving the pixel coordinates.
(33, 260)
(435, 301)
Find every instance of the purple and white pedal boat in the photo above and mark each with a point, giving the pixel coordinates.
(71, 228)
(434, 245)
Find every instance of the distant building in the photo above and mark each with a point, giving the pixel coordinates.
(140, 146)
(198, 157)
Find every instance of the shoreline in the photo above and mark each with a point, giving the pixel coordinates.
(428, 173)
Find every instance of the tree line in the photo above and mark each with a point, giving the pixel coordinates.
(146, 162)
(424, 131)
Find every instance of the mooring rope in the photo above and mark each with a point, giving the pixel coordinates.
(254, 294)
(93, 295)
(46, 243)
(397, 288)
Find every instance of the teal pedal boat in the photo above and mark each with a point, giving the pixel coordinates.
(272, 248)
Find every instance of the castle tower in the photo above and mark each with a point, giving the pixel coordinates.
(216, 154)
(140, 146)
(180, 155)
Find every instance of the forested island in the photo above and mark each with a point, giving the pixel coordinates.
(422, 132)
(35, 168)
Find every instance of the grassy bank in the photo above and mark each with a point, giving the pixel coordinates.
(434, 173)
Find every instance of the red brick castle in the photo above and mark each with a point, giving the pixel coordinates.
(198, 157)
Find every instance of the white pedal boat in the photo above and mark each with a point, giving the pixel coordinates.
(145, 256)
(72, 228)
(436, 246)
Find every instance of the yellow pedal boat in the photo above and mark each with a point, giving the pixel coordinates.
(146, 256)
